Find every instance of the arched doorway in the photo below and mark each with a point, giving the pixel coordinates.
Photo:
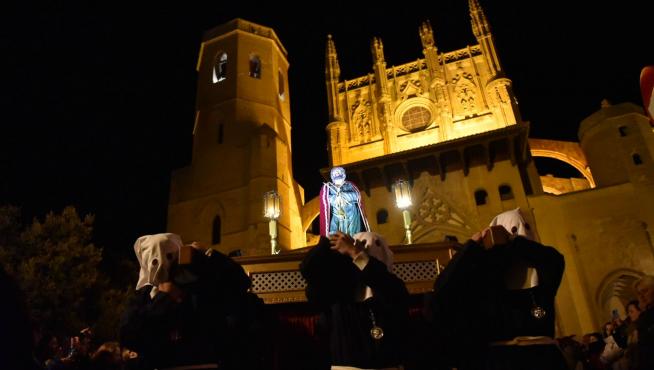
(615, 291)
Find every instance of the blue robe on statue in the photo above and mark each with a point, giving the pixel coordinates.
(343, 209)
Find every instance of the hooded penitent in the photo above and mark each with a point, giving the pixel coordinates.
(156, 254)
(520, 275)
(514, 223)
(377, 247)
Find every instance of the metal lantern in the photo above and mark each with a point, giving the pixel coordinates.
(402, 191)
(272, 210)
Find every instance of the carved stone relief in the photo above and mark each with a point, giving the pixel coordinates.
(436, 215)
(466, 98)
(411, 88)
(361, 120)
(465, 93)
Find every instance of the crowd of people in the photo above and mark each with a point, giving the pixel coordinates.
(79, 352)
(622, 344)
(492, 308)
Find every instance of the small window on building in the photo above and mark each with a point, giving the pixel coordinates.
(220, 69)
(636, 158)
(280, 81)
(481, 197)
(623, 131)
(220, 133)
(505, 192)
(255, 66)
(382, 216)
(215, 231)
(235, 253)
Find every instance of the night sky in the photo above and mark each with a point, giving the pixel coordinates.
(97, 101)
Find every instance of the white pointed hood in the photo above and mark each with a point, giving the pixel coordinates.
(520, 275)
(515, 223)
(377, 247)
(156, 254)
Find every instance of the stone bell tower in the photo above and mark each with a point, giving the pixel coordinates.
(241, 145)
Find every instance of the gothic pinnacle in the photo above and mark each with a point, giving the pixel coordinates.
(377, 48)
(332, 67)
(331, 47)
(480, 26)
(474, 5)
(426, 35)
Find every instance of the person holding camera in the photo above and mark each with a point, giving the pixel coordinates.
(363, 304)
(183, 311)
(493, 305)
(645, 324)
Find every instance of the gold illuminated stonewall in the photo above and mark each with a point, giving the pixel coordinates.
(449, 124)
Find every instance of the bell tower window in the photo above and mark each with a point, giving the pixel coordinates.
(255, 66)
(481, 197)
(215, 230)
(622, 130)
(220, 69)
(221, 135)
(505, 192)
(382, 216)
(280, 81)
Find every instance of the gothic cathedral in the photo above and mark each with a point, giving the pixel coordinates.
(449, 125)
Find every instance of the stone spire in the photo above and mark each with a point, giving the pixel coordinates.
(430, 50)
(379, 67)
(480, 26)
(482, 31)
(383, 93)
(332, 78)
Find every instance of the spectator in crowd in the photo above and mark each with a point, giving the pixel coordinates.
(611, 352)
(49, 352)
(107, 357)
(645, 323)
(16, 344)
(572, 351)
(627, 337)
(593, 347)
(364, 305)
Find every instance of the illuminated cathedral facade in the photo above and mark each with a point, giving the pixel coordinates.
(449, 124)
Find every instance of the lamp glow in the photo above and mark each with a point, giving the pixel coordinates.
(272, 211)
(402, 191)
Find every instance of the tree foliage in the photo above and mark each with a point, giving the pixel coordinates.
(58, 269)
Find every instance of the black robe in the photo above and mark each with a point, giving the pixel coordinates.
(471, 309)
(336, 285)
(645, 345)
(206, 327)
